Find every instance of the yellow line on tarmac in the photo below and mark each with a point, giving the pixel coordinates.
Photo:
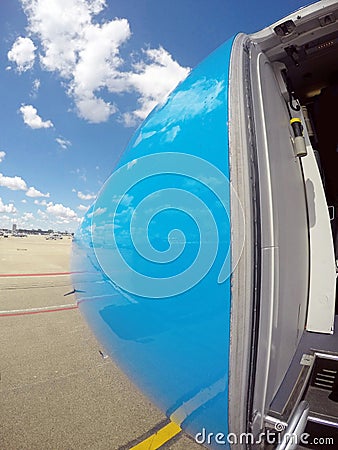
(159, 438)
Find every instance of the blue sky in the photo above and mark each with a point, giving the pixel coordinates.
(78, 76)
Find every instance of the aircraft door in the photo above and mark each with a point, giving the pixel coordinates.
(284, 248)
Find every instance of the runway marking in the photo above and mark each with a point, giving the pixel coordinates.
(44, 309)
(159, 438)
(50, 274)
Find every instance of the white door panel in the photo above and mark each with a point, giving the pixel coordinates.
(284, 228)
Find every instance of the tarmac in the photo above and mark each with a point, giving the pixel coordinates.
(57, 391)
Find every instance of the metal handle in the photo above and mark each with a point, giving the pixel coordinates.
(296, 427)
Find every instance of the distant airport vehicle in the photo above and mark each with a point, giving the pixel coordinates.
(206, 266)
(54, 236)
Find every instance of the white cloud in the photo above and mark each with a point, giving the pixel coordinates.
(27, 216)
(87, 57)
(61, 211)
(35, 87)
(32, 192)
(98, 61)
(13, 183)
(24, 201)
(153, 80)
(82, 52)
(36, 84)
(18, 184)
(2, 156)
(83, 196)
(32, 119)
(42, 214)
(22, 53)
(9, 208)
(64, 143)
(41, 202)
(82, 207)
(94, 109)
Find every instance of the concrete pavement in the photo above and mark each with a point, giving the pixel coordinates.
(56, 390)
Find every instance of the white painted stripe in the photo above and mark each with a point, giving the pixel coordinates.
(191, 405)
(43, 308)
